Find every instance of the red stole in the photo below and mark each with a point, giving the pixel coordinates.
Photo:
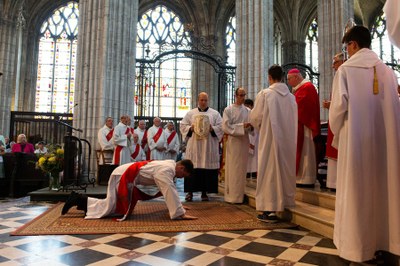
(308, 115)
(118, 149)
(136, 152)
(125, 202)
(171, 137)
(144, 139)
(158, 134)
(109, 135)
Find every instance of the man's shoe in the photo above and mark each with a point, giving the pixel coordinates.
(268, 217)
(189, 196)
(72, 200)
(204, 197)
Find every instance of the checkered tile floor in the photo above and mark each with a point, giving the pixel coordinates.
(254, 247)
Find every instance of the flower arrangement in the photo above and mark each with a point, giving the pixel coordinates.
(52, 163)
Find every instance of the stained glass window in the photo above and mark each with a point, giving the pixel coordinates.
(231, 41)
(312, 46)
(55, 83)
(168, 94)
(382, 45)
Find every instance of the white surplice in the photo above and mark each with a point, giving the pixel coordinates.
(237, 146)
(204, 153)
(366, 128)
(275, 116)
(120, 139)
(103, 142)
(172, 146)
(155, 173)
(252, 153)
(307, 174)
(161, 143)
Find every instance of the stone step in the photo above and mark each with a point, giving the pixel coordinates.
(317, 197)
(312, 217)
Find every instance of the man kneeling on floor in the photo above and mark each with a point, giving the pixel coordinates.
(123, 193)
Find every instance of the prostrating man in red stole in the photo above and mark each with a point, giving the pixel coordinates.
(172, 142)
(122, 141)
(104, 137)
(123, 193)
(309, 127)
(156, 140)
(137, 154)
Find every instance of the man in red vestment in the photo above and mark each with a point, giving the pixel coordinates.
(331, 152)
(308, 127)
(123, 193)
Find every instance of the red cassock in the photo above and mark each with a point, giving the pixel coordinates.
(308, 110)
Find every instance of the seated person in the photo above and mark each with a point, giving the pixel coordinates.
(41, 149)
(22, 145)
(123, 183)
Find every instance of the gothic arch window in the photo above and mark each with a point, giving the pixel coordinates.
(169, 93)
(382, 45)
(231, 41)
(55, 84)
(277, 43)
(312, 46)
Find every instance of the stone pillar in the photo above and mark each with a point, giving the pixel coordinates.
(254, 44)
(8, 43)
(105, 64)
(332, 18)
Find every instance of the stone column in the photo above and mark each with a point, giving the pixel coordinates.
(254, 44)
(332, 18)
(105, 64)
(8, 43)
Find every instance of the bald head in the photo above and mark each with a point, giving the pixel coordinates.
(203, 100)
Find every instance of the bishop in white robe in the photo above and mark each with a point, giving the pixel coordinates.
(235, 123)
(364, 116)
(275, 116)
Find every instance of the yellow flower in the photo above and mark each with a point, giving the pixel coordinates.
(60, 151)
(52, 159)
(42, 160)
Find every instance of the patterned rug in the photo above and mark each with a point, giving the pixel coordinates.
(149, 216)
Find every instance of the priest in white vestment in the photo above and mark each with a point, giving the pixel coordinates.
(235, 123)
(142, 133)
(122, 141)
(364, 116)
(137, 153)
(275, 117)
(173, 143)
(202, 126)
(154, 173)
(157, 140)
(104, 138)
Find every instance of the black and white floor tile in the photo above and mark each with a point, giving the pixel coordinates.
(253, 247)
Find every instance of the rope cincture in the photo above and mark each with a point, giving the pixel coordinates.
(376, 85)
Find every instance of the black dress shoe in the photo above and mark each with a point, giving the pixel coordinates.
(72, 200)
